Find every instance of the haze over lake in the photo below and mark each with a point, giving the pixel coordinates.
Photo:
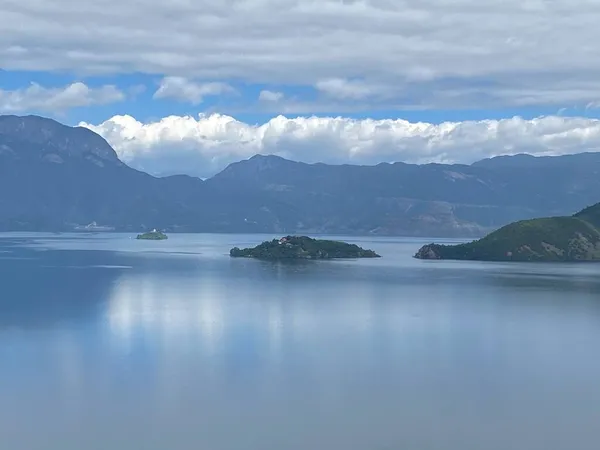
(111, 343)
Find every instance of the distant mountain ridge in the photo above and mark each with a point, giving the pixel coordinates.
(55, 177)
(407, 199)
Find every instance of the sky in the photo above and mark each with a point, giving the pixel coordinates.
(189, 86)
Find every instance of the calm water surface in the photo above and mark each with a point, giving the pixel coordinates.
(111, 343)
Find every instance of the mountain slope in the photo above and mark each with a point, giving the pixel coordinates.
(571, 238)
(36, 139)
(54, 177)
(547, 239)
(406, 199)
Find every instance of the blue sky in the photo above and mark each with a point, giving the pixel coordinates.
(192, 86)
(243, 104)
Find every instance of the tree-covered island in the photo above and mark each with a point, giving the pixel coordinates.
(153, 235)
(303, 247)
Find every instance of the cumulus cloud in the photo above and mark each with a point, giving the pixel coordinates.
(184, 90)
(496, 52)
(37, 98)
(204, 145)
(270, 96)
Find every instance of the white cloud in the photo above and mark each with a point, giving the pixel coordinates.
(207, 144)
(348, 89)
(37, 98)
(184, 90)
(270, 96)
(444, 53)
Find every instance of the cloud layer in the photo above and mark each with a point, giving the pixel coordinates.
(270, 96)
(182, 89)
(204, 145)
(42, 99)
(430, 53)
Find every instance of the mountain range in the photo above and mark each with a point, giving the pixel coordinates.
(55, 177)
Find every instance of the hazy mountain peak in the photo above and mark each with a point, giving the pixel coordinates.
(506, 160)
(253, 166)
(259, 159)
(53, 141)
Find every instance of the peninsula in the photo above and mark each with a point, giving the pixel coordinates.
(571, 238)
(303, 247)
(153, 235)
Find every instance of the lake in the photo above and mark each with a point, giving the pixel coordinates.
(111, 343)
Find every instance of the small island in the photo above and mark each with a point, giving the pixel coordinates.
(561, 239)
(153, 235)
(303, 247)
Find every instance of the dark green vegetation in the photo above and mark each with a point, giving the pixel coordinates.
(302, 247)
(153, 236)
(59, 178)
(575, 238)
